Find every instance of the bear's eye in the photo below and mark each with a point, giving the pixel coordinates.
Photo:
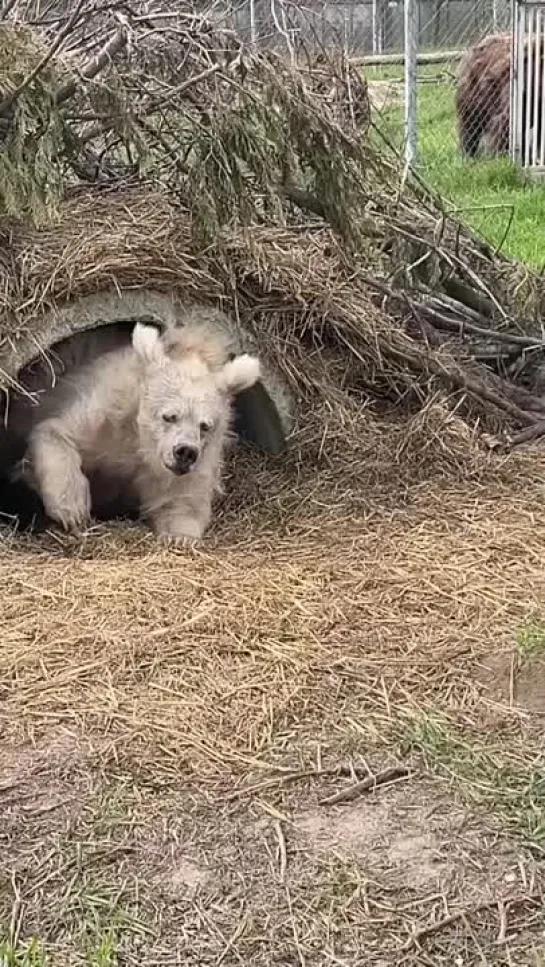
(170, 417)
(204, 426)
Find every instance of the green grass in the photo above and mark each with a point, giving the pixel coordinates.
(511, 788)
(491, 195)
(530, 640)
(103, 953)
(23, 955)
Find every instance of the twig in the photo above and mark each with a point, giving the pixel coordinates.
(423, 932)
(530, 433)
(16, 913)
(7, 6)
(348, 770)
(452, 325)
(8, 101)
(236, 935)
(502, 932)
(297, 942)
(281, 849)
(455, 374)
(480, 391)
(304, 200)
(95, 130)
(104, 57)
(461, 327)
(181, 89)
(465, 294)
(387, 776)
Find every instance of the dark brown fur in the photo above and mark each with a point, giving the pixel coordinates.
(483, 97)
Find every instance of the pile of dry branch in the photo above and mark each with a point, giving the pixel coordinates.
(149, 147)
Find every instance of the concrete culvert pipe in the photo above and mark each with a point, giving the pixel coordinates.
(87, 330)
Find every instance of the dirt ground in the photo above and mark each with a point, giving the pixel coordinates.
(173, 724)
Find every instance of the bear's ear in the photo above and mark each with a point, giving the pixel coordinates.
(146, 342)
(239, 374)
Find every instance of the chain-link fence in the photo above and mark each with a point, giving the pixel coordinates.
(462, 81)
(451, 118)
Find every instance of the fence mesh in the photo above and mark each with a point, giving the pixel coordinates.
(373, 31)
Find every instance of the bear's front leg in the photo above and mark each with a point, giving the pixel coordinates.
(56, 467)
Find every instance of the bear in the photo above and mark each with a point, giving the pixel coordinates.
(146, 423)
(483, 96)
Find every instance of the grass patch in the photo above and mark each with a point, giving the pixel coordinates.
(512, 789)
(492, 195)
(530, 640)
(22, 955)
(103, 953)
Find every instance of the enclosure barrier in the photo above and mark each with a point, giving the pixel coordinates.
(527, 133)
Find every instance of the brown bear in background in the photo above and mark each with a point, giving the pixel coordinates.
(483, 97)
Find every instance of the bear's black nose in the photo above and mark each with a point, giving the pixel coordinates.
(184, 457)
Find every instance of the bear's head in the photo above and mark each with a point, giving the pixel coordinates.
(188, 383)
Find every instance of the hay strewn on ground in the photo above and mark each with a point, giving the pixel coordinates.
(187, 715)
(171, 723)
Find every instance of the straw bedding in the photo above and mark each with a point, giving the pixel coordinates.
(168, 699)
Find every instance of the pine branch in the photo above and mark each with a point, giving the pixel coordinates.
(9, 100)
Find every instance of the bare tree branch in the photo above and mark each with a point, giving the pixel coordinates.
(6, 8)
(104, 57)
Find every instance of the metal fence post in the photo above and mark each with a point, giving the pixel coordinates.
(411, 50)
(253, 30)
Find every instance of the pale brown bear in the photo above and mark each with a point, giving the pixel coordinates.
(151, 419)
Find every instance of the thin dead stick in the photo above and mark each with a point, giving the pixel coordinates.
(301, 956)
(423, 932)
(528, 434)
(283, 853)
(432, 309)
(387, 776)
(502, 932)
(182, 88)
(236, 935)
(8, 101)
(104, 57)
(16, 912)
(462, 328)
(95, 130)
(288, 777)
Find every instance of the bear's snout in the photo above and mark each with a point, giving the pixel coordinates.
(183, 458)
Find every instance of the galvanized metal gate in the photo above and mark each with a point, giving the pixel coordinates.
(527, 127)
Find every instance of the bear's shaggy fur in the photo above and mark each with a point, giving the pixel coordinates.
(146, 423)
(483, 96)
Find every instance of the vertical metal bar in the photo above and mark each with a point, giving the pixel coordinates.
(253, 32)
(529, 52)
(520, 80)
(536, 44)
(411, 50)
(542, 95)
(513, 83)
